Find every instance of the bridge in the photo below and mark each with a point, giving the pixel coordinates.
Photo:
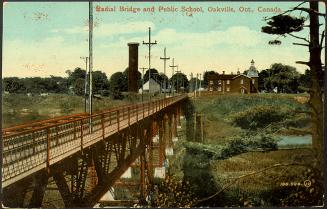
(85, 155)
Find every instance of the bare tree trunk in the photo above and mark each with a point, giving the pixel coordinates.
(315, 101)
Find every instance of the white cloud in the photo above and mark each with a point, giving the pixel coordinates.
(193, 51)
(236, 35)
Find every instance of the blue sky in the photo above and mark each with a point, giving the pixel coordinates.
(44, 38)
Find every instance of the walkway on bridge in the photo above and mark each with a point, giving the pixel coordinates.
(36, 146)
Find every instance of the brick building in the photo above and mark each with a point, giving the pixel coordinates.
(235, 83)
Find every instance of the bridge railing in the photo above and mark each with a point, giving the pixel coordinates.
(31, 147)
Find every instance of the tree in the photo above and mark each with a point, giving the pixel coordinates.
(100, 82)
(13, 85)
(78, 86)
(284, 77)
(193, 83)
(263, 75)
(117, 85)
(76, 74)
(153, 73)
(305, 81)
(162, 77)
(178, 81)
(205, 77)
(285, 24)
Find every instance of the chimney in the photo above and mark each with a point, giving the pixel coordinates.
(223, 72)
(232, 73)
(133, 67)
(238, 71)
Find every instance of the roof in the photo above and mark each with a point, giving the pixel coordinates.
(152, 83)
(225, 76)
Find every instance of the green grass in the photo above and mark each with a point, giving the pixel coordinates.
(208, 166)
(221, 112)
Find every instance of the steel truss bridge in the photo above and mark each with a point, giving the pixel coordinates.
(85, 155)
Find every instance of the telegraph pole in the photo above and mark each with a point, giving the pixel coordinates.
(191, 76)
(149, 45)
(90, 59)
(173, 68)
(178, 71)
(85, 82)
(200, 86)
(143, 68)
(165, 58)
(196, 85)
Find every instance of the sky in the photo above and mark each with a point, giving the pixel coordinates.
(49, 38)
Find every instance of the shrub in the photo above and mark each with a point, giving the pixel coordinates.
(173, 193)
(260, 117)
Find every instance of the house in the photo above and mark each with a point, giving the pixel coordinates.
(235, 83)
(152, 85)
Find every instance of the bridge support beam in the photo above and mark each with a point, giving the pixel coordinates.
(40, 181)
(63, 187)
(14, 195)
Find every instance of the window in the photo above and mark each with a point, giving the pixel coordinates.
(242, 81)
(253, 81)
(211, 82)
(227, 88)
(228, 82)
(242, 91)
(210, 89)
(219, 88)
(219, 81)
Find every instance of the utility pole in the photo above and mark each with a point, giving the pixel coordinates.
(90, 59)
(149, 45)
(200, 86)
(191, 77)
(196, 85)
(177, 71)
(143, 68)
(173, 68)
(85, 83)
(165, 58)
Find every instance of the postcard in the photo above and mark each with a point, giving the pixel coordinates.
(163, 104)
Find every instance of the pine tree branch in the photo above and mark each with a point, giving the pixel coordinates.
(291, 10)
(322, 39)
(302, 63)
(298, 37)
(301, 44)
(308, 10)
(235, 179)
(308, 26)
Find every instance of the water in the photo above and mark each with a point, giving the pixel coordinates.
(295, 140)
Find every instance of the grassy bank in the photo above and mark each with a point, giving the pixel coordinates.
(238, 162)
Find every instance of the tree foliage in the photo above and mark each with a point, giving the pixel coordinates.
(179, 81)
(172, 193)
(205, 77)
(117, 85)
(283, 24)
(284, 77)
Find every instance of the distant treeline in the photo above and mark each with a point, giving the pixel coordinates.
(283, 78)
(74, 83)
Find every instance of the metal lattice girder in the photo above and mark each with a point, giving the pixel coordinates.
(64, 140)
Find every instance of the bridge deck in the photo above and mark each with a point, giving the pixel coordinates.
(31, 147)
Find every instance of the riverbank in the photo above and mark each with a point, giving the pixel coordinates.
(238, 162)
